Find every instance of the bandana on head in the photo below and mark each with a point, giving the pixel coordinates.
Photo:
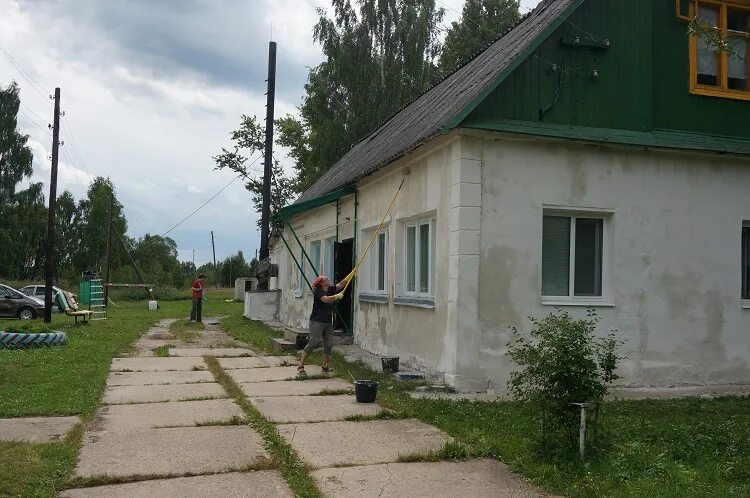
(318, 280)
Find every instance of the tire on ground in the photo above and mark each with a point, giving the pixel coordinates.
(14, 340)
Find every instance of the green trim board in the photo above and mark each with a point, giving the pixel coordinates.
(301, 207)
(656, 138)
(519, 59)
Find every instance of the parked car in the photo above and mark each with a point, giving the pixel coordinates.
(15, 304)
(37, 291)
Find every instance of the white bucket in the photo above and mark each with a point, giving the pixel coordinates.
(152, 305)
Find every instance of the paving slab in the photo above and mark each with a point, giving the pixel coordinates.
(153, 378)
(36, 429)
(258, 361)
(217, 352)
(174, 451)
(244, 375)
(362, 443)
(123, 418)
(294, 387)
(259, 484)
(157, 364)
(160, 393)
(294, 409)
(475, 478)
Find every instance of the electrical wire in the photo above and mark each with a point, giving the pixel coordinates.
(43, 92)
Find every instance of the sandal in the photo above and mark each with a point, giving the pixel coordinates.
(301, 372)
(327, 370)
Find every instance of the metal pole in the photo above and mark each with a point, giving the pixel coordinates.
(304, 253)
(109, 249)
(49, 263)
(582, 431)
(268, 154)
(216, 270)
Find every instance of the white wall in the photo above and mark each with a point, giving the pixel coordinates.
(674, 257)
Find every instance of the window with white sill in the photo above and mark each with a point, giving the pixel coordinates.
(574, 255)
(419, 259)
(375, 280)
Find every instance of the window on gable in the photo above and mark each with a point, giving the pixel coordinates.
(419, 258)
(721, 72)
(572, 257)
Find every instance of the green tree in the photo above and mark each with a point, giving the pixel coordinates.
(378, 57)
(93, 213)
(156, 257)
(481, 22)
(66, 237)
(22, 214)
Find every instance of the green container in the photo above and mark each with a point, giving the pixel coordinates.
(84, 293)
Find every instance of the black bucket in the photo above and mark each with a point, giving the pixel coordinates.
(365, 390)
(390, 364)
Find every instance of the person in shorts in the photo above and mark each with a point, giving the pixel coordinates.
(321, 320)
(198, 288)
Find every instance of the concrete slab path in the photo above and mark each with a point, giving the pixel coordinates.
(474, 478)
(36, 429)
(140, 364)
(294, 409)
(243, 375)
(260, 361)
(125, 418)
(257, 484)
(217, 352)
(162, 392)
(175, 451)
(158, 378)
(362, 443)
(294, 387)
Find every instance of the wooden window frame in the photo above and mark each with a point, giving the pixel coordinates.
(722, 90)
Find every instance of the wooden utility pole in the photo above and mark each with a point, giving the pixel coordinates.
(109, 249)
(49, 263)
(216, 269)
(268, 154)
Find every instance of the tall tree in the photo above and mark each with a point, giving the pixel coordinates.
(481, 22)
(22, 214)
(67, 239)
(93, 214)
(379, 56)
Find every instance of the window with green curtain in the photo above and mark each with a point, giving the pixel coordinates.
(411, 251)
(555, 255)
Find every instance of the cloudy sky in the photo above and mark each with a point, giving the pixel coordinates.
(150, 90)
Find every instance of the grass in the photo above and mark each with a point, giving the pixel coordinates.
(294, 470)
(688, 447)
(70, 380)
(186, 331)
(161, 351)
(254, 333)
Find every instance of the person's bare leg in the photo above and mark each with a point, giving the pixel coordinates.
(303, 359)
(326, 360)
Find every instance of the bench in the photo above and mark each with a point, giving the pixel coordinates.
(71, 308)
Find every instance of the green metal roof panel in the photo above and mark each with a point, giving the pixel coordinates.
(302, 206)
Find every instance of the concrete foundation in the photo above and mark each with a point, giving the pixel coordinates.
(262, 305)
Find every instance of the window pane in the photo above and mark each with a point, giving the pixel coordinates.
(588, 259)
(411, 250)
(745, 262)
(424, 258)
(555, 255)
(381, 261)
(708, 52)
(329, 260)
(315, 257)
(738, 22)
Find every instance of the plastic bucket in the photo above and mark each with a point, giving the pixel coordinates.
(152, 305)
(390, 364)
(365, 390)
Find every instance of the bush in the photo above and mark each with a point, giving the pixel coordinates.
(560, 364)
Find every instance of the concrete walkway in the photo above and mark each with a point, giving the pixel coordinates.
(168, 425)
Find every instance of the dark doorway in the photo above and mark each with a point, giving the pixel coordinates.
(343, 256)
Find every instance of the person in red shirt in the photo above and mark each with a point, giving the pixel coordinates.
(198, 288)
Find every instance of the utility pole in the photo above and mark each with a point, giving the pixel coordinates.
(194, 268)
(268, 156)
(49, 264)
(216, 269)
(109, 249)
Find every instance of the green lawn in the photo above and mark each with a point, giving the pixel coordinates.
(185, 330)
(70, 380)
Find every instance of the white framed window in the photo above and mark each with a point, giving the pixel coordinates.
(419, 258)
(377, 264)
(315, 256)
(745, 295)
(301, 284)
(574, 257)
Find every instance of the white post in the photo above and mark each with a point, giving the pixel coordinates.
(582, 430)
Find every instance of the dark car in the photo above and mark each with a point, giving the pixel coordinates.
(37, 291)
(15, 304)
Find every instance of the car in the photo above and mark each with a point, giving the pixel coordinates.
(37, 291)
(15, 304)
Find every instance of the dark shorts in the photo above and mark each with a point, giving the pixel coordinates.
(320, 333)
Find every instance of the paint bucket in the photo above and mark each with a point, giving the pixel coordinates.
(153, 305)
(390, 364)
(365, 390)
